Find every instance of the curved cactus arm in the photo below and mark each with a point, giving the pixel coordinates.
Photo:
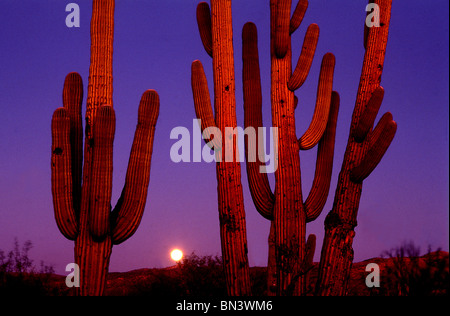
(368, 116)
(310, 249)
(202, 103)
(128, 212)
(324, 165)
(380, 140)
(306, 57)
(62, 175)
(204, 26)
(319, 121)
(282, 37)
(72, 101)
(297, 16)
(261, 193)
(102, 167)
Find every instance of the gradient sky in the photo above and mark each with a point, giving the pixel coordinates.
(405, 199)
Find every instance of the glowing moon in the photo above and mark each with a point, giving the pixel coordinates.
(176, 255)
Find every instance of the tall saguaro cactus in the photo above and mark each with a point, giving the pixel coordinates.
(285, 207)
(365, 148)
(82, 191)
(217, 36)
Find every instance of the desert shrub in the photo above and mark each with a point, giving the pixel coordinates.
(194, 275)
(409, 274)
(202, 275)
(18, 275)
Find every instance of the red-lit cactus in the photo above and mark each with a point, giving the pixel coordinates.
(82, 191)
(217, 36)
(285, 207)
(365, 148)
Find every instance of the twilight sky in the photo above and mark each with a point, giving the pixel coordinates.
(404, 199)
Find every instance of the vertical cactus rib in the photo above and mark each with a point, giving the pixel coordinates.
(72, 100)
(368, 116)
(282, 37)
(324, 165)
(62, 175)
(306, 57)
(204, 26)
(102, 167)
(297, 16)
(261, 193)
(318, 124)
(385, 132)
(130, 208)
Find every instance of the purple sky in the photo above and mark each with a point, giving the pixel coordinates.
(405, 198)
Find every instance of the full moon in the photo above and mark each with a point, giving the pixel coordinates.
(176, 255)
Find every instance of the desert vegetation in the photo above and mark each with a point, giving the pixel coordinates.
(19, 275)
(403, 272)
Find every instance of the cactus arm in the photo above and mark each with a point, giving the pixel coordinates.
(306, 57)
(324, 165)
(261, 193)
(310, 249)
(204, 26)
(282, 37)
(62, 175)
(102, 167)
(319, 122)
(368, 116)
(129, 210)
(297, 16)
(305, 266)
(383, 134)
(72, 101)
(202, 102)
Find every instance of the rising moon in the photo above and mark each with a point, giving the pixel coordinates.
(176, 255)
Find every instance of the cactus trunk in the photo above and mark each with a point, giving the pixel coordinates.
(289, 214)
(229, 188)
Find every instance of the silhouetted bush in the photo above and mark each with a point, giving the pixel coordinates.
(410, 274)
(194, 275)
(18, 275)
(202, 276)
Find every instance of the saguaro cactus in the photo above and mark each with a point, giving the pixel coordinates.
(286, 208)
(217, 36)
(365, 148)
(82, 191)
